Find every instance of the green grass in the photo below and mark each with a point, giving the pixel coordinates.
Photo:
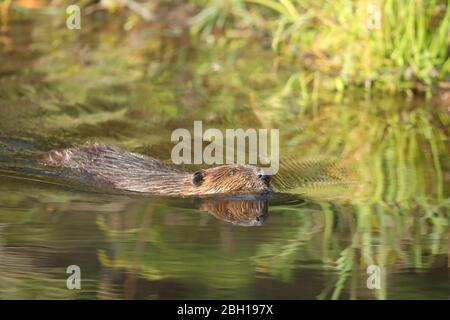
(388, 45)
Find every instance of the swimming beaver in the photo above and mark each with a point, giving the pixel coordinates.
(135, 172)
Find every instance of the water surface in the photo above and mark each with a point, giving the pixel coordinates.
(131, 89)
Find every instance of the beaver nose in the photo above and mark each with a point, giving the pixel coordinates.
(265, 178)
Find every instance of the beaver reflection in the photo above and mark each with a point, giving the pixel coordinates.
(247, 213)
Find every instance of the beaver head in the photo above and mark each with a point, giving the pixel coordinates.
(230, 179)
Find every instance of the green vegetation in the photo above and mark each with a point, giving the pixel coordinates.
(379, 45)
(385, 44)
(314, 69)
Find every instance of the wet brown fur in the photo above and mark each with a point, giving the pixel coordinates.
(135, 172)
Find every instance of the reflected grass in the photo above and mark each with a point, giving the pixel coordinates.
(395, 215)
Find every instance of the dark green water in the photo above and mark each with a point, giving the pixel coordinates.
(132, 89)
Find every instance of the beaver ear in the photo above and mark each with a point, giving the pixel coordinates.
(197, 178)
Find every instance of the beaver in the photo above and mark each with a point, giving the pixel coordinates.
(131, 171)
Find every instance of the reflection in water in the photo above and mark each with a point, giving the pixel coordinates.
(134, 246)
(247, 213)
(138, 247)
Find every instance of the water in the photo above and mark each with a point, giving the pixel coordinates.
(388, 207)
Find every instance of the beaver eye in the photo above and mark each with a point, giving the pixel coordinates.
(232, 172)
(197, 178)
